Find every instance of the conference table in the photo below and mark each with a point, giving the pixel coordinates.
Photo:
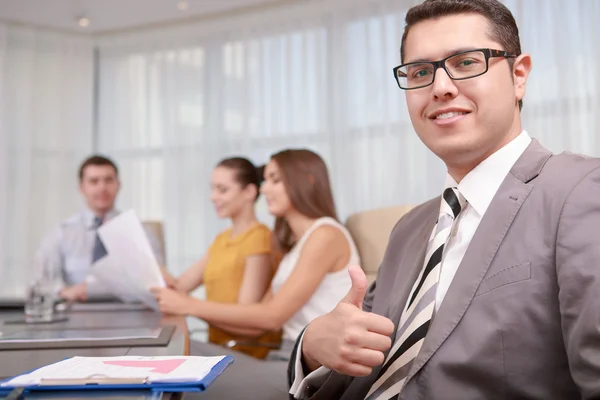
(245, 378)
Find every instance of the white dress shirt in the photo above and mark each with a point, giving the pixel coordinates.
(478, 187)
(69, 248)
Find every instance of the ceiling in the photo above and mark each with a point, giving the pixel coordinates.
(113, 15)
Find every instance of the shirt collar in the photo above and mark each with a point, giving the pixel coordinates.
(481, 184)
(89, 217)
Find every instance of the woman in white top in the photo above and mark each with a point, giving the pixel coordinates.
(312, 277)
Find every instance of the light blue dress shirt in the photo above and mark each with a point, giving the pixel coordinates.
(70, 248)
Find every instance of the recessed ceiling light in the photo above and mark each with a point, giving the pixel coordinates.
(83, 22)
(182, 5)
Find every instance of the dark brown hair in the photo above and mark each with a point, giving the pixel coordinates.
(306, 181)
(245, 172)
(503, 27)
(99, 161)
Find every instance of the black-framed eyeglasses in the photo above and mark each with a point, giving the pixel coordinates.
(464, 65)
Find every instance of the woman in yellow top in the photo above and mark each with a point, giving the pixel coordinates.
(238, 266)
(313, 275)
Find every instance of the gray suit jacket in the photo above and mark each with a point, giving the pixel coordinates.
(521, 319)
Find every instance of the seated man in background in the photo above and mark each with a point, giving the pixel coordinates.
(74, 244)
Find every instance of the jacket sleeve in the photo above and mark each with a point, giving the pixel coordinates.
(578, 274)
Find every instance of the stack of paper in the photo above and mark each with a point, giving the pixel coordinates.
(118, 370)
(130, 269)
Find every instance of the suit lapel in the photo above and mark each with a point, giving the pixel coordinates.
(481, 251)
(405, 277)
(407, 269)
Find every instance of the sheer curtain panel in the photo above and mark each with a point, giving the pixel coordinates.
(46, 109)
(315, 74)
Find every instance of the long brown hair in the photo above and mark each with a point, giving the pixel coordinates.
(306, 181)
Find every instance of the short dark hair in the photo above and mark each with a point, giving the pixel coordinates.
(96, 160)
(504, 28)
(245, 172)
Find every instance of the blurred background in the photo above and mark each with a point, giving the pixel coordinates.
(167, 88)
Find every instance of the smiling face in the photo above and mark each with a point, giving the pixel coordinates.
(99, 185)
(274, 190)
(228, 195)
(464, 122)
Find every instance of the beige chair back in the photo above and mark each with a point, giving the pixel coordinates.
(371, 231)
(156, 227)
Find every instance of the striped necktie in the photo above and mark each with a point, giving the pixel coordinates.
(419, 310)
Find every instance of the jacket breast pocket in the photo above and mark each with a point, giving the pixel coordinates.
(513, 274)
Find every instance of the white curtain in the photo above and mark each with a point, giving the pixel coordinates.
(46, 110)
(314, 74)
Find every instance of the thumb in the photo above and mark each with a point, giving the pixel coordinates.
(359, 286)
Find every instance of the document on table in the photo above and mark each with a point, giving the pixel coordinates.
(130, 268)
(119, 370)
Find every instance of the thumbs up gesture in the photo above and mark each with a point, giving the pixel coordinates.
(348, 340)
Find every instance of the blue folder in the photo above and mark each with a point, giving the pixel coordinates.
(174, 387)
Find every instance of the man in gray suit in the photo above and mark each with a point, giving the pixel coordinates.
(491, 291)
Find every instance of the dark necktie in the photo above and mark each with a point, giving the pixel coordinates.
(99, 250)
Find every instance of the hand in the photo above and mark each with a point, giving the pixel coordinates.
(170, 281)
(171, 301)
(348, 340)
(74, 293)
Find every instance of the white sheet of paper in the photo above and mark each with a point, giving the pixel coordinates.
(153, 369)
(130, 269)
(109, 272)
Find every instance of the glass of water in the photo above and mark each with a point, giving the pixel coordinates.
(42, 290)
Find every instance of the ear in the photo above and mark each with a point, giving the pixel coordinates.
(521, 69)
(251, 192)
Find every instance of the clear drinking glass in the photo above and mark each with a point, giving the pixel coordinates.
(42, 289)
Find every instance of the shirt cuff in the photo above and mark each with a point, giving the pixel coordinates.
(302, 385)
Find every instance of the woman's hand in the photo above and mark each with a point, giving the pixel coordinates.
(170, 281)
(172, 302)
